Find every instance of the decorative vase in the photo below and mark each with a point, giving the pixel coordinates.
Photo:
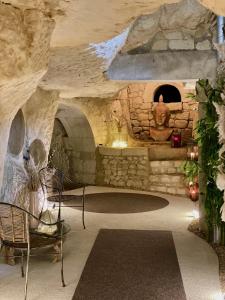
(34, 209)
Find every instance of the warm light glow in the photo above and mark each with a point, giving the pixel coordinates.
(192, 154)
(195, 213)
(218, 296)
(119, 144)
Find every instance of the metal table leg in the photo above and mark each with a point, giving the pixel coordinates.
(83, 203)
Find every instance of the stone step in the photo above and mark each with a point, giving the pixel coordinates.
(181, 191)
(166, 167)
(177, 180)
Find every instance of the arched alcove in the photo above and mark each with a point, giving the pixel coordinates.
(73, 145)
(14, 172)
(169, 92)
(17, 134)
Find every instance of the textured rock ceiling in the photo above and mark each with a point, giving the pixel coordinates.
(81, 22)
(87, 37)
(88, 21)
(196, 21)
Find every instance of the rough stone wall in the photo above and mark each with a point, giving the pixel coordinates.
(24, 51)
(132, 168)
(200, 38)
(26, 27)
(166, 177)
(80, 143)
(88, 125)
(180, 26)
(97, 112)
(140, 103)
(39, 113)
(124, 168)
(25, 37)
(60, 154)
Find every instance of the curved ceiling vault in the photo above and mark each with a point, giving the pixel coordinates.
(77, 68)
(173, 43)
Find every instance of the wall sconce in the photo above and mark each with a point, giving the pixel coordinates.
(119, 144)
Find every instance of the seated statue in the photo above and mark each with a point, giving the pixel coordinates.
(161, 116)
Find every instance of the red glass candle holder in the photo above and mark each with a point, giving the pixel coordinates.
(193, 191)
(176, 140)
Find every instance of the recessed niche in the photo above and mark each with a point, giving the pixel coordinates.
(17, 134)
(169, 92)
(37, 152)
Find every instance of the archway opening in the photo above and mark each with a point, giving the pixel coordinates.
(169, 92)
(73, 147)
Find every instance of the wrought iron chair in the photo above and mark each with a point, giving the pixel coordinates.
(52, 183)
(52, 180)
(15, 234)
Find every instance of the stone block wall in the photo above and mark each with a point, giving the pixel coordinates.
(181, 26)
(124, 168)
(183, 115)
(132, 168)
(181, 40)
(167, 177)
(80, 146)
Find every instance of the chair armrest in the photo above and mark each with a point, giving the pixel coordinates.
(31, 215)
(50, 224)
(43, 222)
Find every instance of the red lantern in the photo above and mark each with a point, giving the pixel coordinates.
(176, 140)
(193, 191)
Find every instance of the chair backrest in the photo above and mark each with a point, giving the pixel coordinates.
(52, 182)
(52, 179)
(14, 225)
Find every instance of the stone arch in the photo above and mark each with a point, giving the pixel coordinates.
(152, 87)
(16, 134)
(169, 92)
(74, 145)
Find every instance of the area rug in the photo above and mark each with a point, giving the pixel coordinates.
(131, 265)
(117, 203)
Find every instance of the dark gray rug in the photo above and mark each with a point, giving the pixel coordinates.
(131, 265)
(117, 203)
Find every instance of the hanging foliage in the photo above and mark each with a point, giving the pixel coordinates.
(208, 140)
(190, 168)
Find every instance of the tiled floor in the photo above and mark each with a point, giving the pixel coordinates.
(198, 262)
